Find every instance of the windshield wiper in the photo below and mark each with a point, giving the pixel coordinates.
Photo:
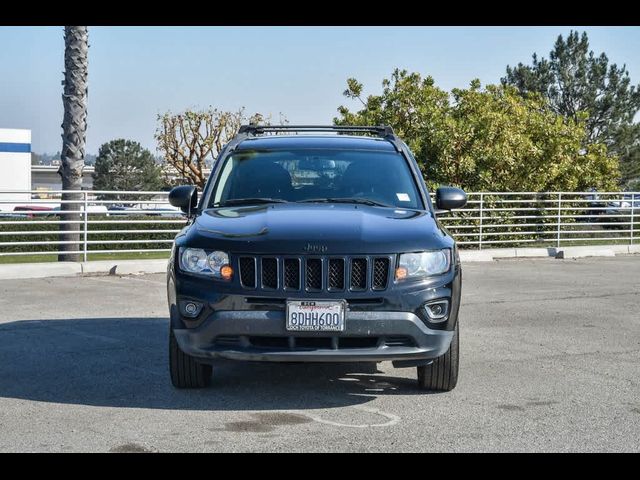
(363, 201)
(248, 201)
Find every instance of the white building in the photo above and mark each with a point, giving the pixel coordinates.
(15, 165)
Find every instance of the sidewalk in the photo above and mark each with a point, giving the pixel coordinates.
(128, 267)
(491, 254)
(65, 269)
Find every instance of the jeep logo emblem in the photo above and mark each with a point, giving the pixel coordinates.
(315, 248)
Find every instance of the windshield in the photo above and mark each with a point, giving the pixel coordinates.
(371, 177)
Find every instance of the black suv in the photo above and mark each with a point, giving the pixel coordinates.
(314, 244)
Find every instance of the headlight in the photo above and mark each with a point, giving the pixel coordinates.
(215, 264)
(423, 264)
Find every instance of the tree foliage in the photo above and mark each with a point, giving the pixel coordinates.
(485, 139)
(125, 165)
(576, 81)
(191, 139)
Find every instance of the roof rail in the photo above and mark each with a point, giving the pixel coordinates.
(384, 131)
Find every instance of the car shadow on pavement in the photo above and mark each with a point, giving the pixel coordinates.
(122, 362)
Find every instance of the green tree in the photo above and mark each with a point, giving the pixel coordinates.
(124, 165)
(576, 81)
(485, 139)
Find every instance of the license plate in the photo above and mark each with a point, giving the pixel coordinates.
(315, 316)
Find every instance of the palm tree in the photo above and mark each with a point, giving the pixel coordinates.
(74, 127)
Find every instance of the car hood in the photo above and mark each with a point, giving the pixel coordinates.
(291, 228)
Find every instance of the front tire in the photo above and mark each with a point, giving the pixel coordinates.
(185, 370)
(441, 375)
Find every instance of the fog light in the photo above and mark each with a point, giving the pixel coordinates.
(437, 311)
(190, 309)
(226, 272)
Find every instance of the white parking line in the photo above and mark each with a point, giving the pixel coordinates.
(392, 419)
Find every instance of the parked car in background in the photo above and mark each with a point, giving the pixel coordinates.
(90, 209)
(621, 211)
(161, 211)
(31, 211)
(594, 207)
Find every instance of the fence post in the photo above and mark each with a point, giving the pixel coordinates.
(481, 215)
(559, 218)
(86, 225)
(633, 204)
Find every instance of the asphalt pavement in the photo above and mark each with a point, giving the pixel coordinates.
(550, 361)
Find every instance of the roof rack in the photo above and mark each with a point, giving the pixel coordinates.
(384, 131)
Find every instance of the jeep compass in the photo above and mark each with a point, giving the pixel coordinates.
(314, 244)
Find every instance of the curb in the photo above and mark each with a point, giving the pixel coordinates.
(39, 270)
(124, 267)
(552, 252)
(68, 269)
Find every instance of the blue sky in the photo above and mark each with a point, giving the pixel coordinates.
(137, 72)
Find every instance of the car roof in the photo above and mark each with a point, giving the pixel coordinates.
(339, 142)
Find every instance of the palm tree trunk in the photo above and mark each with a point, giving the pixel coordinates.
(74, 127)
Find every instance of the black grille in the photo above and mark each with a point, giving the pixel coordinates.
(269, 342)
(227, 340)
(336, 274)
(358, 274)
(270, 273)
(380, 273)
(292, 273)
(316, 343)
(358, 342)
(399, 342)
(313, 343)
(314, 274)
(248, 272)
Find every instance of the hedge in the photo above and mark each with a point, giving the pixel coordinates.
(7, 226)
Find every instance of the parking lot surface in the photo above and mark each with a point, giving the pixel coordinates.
(550, 361)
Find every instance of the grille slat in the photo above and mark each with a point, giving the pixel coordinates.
(380, 273)
(359, 274)
(248, 272)
(270, 273)
(336, 274)
(313, 274)
(292, 273)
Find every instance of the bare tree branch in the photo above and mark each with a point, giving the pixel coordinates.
(192, 138)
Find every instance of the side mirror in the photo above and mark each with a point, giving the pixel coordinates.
(185, 197)
(448, 198)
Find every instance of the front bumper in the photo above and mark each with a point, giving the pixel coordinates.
(261, 336)
(379, 326)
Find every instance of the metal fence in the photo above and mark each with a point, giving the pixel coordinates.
(143, 222)
(545, 219)
(110, 222)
